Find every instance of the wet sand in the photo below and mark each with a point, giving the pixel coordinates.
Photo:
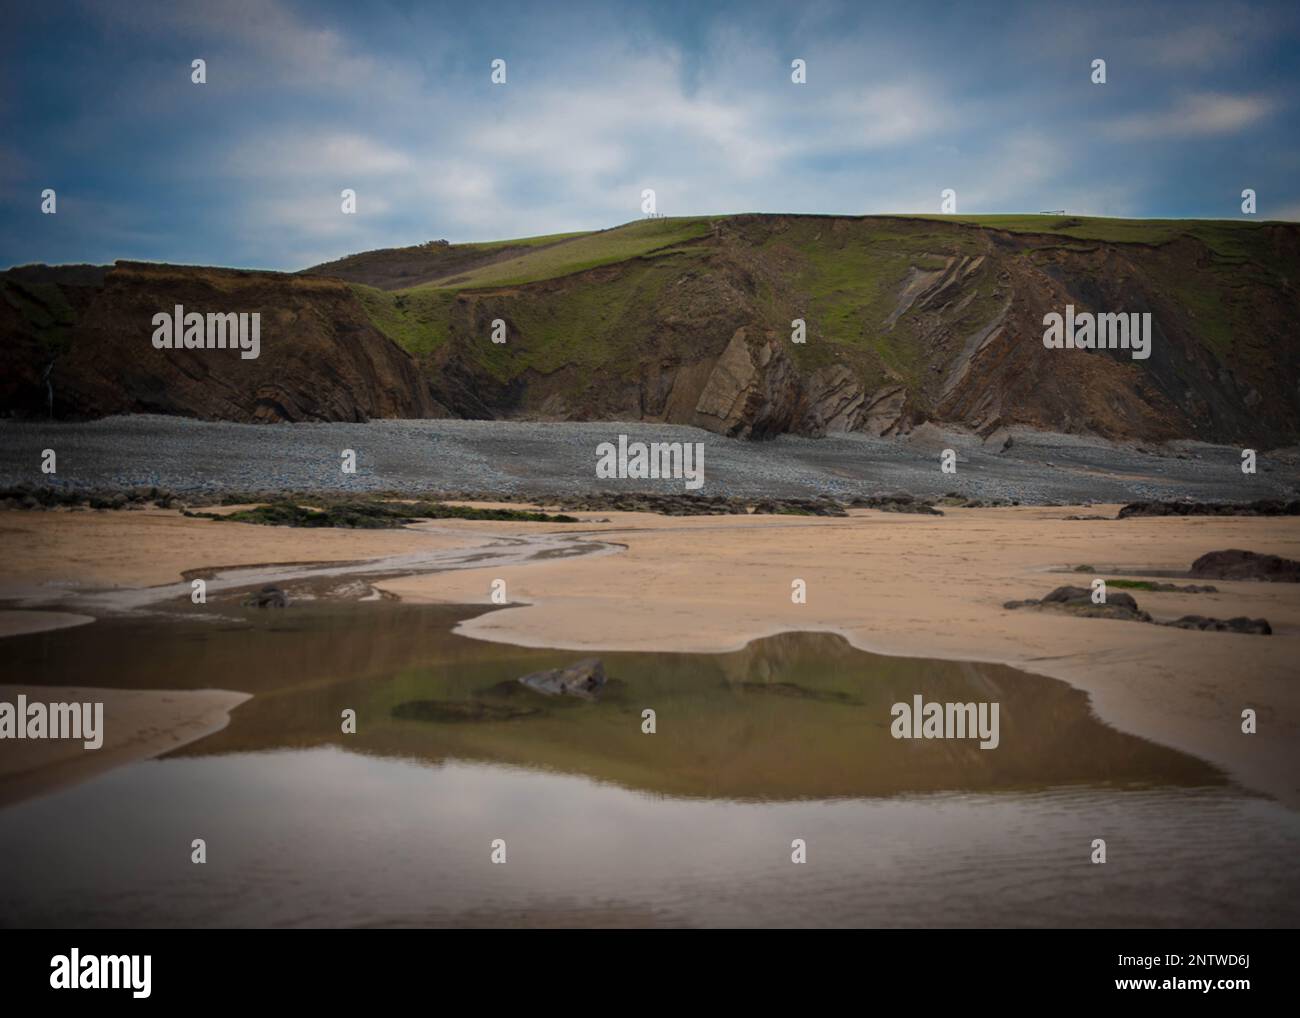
(890, 583)
(138, 725)
(309, 825)
(51, 555)
(934, 587)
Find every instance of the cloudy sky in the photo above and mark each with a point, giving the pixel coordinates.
(695, 100)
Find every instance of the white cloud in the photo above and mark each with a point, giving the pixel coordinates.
(1199, 115)
(307, 154)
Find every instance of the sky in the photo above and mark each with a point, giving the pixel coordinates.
(395, 100)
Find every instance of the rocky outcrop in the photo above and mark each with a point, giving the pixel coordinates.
(80, 346)
(1260, 507)
(752, 391)
(1235, 564)
(906, 322)
(1078, 601)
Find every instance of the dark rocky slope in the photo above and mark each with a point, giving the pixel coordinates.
(78, 340)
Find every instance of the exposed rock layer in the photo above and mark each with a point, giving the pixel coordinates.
(320, 357)
(905, 321)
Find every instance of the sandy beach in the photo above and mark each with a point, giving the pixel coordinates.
(935, 587)
(895, 584)
(138, 725)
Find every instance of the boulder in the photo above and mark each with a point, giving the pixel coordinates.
(583, 679)
(1235, 564)
(1078, 601)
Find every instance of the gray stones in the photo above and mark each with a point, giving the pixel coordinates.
(583, 679)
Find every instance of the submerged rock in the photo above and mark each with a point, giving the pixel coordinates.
(792, 690)
(267, 597)
(585, 679)
(459, 710)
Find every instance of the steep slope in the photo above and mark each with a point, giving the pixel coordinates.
(77, 341)
(908, 319)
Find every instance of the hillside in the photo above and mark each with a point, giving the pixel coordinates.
(909, 319)
(77, 341)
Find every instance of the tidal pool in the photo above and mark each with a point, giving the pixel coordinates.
(603, 824)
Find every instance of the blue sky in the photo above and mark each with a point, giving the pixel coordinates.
(603, 100)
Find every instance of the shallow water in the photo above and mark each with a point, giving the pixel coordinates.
(604, 825)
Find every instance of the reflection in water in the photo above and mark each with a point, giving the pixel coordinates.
(605, 825)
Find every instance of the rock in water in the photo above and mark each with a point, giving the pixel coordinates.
(584, 679)
(268, 597)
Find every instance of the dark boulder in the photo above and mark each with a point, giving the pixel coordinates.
(1078, 601)
(1235, 564)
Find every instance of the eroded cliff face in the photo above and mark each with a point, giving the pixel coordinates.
(905, 321)
(79, 342)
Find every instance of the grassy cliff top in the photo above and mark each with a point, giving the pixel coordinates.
(506, 263)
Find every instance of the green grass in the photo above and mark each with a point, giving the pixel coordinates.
(550, 238)
(416, 320)
(587, 331)
(576, 254)
(596, 326)
(1228, 238)
(1220, 306)
(843, 275)
(847, 284)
